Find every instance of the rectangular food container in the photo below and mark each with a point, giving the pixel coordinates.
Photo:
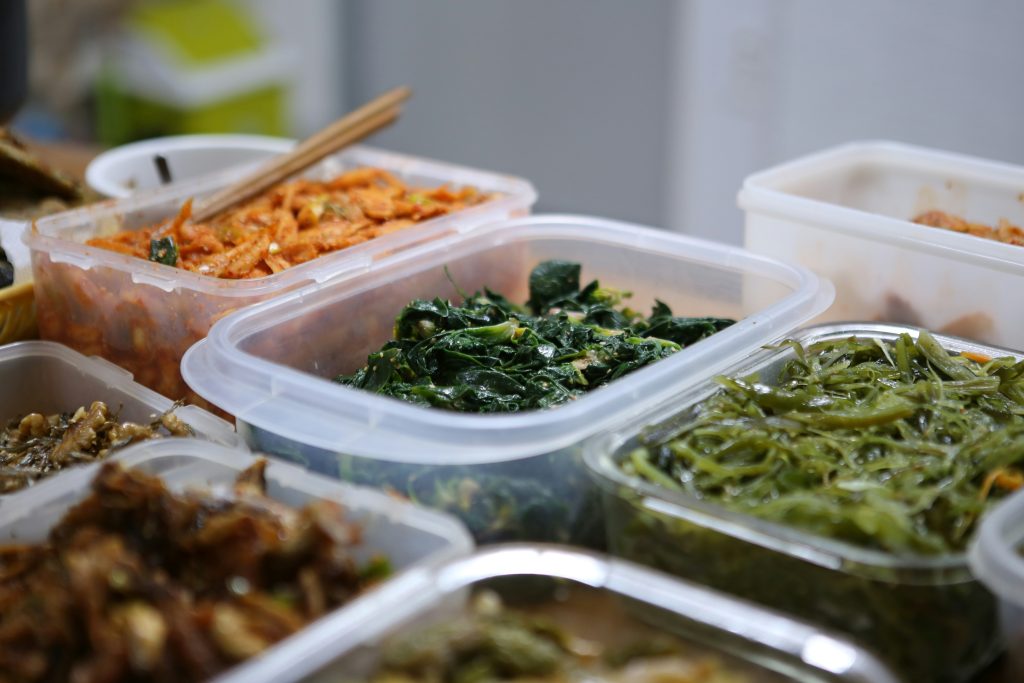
(513, 476)
(48, 378)
(928, 616)
(144, 315)
(412, 538)
(846, 213)
(997, 559)
(598, 598)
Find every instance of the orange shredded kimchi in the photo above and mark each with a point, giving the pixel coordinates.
(1005, 232)
(295, 222)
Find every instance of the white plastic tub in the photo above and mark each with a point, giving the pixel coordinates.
(508, 476)
(144, 315)
(765, 646)
(125, 170)
(48, 378)
(846, 213)
(413, 539)
(996, 557)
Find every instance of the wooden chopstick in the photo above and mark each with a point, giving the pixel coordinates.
(352, 127)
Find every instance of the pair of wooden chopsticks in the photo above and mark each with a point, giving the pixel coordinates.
(350, 128)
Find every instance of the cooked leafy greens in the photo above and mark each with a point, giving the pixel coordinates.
(163, 250)
(896, 446)
(495, 643)
(489, 355)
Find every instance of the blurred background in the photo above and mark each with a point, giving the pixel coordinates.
(649, 111)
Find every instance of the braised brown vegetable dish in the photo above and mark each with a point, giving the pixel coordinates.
(35, 446)
(138, 582)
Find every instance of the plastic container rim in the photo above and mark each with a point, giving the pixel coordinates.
(45, 233)
(600, 454)
(781, 634)
(994, 553)
(210, 425)
(765, 193)
(226, 334)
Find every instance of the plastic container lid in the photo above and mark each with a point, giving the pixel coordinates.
(316, 411)
(770, 639)
(995, 553)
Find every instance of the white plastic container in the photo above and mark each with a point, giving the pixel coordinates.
(48, 378)
(766, 646)
(508, 476)
(144, 315)
(996, 557)
(125, 170)
(412, 538)
(846, 213)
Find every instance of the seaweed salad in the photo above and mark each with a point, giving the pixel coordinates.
(895, 446)
(489, 355)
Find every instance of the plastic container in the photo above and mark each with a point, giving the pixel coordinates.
(125, 170)
(508, 476)
(412, 538)
(997, 559)
(49, 378)
(597, 597)
(846, 213)
(144, 315)
(926, 615)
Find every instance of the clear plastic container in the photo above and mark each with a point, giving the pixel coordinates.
(412, 538)
(928, 616)
(603, 599)
(508, 476)
(846, 213)
(997, 559)
(48, 378)
(144, 315)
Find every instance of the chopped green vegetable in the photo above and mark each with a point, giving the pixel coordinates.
(163, 250)
(493, 643)
(847, 442)
(489, 355)
(898, 447)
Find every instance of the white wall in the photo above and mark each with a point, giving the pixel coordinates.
(571, 94)
(762, 82)
(655, 110)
